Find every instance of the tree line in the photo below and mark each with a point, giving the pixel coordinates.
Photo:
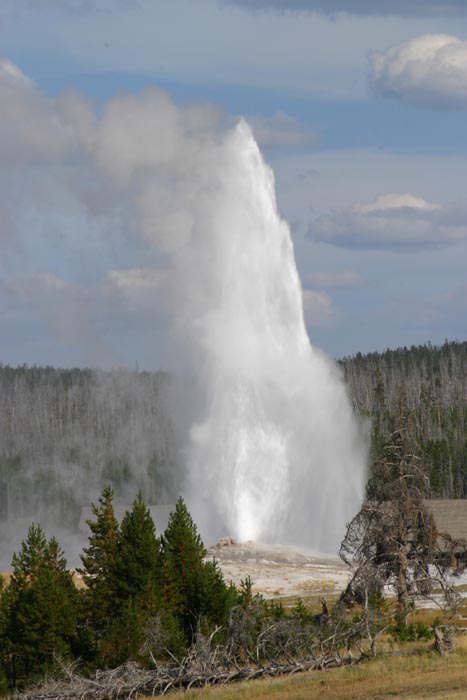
(426, 387)
(66, 433)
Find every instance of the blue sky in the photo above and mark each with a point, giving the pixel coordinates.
(360, 108)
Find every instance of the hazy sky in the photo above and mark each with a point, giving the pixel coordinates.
(360, 107)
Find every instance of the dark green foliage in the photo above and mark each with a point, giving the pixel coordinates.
(245, 595)
(403, 631)
(276, 611)
(217, 597)
(135, 587)
(138, 565)
(300, 612)
(126, 634)
(141, 602)
(99, 568)
(137, 593)
(38, 610)
(182, 568)
(192, 588)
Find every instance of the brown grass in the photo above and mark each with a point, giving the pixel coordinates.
(415, 676)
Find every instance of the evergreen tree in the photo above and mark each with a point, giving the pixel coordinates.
(137, 595)
(182, 564)
(138, 565)
(191, 587)
(38, 610)
(99, 568)
(217, 597)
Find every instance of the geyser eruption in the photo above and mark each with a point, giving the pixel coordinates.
(279, 455)
(276, 453)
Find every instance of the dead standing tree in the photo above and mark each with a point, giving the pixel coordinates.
(393, 538)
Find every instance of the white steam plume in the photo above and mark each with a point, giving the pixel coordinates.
(275, 451)
(278, 455)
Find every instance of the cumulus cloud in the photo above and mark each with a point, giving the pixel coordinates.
(29, 126)
(280, 129)
(427, 71)
(151, 166)
(403, 8)
(395, 202)
(148, 132)
(33, 142)
(393, 221)
(318, 308)
(135, 159)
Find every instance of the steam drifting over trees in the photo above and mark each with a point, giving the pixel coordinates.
(66, 433)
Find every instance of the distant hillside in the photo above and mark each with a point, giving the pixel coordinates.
(424, 389)
(65, 433)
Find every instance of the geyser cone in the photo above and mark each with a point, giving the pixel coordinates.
(279, 455)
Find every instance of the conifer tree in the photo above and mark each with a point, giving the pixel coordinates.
(137, 594)
(138, 555)
(38, 610)
(192, 588)
(182, 562)
(99, 568)
(217, 597)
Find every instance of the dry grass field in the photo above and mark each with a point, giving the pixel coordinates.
(415, 675)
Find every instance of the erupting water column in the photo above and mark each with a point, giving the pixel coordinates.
(279, 455)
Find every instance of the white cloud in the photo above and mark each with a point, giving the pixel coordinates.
(280, 129)
(11, 73)
(427, 71)
(388, 202)
(142, 134)
(29, 126)
(318, 308)
(34, 141)
(394, 221)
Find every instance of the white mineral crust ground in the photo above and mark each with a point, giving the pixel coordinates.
(278, 570)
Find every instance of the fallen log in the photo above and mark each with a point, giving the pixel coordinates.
(129, 681)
